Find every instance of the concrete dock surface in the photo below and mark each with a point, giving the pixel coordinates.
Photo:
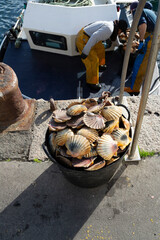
(37, 202)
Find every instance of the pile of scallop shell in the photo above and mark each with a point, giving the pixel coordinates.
(88, 134)
(124, 39)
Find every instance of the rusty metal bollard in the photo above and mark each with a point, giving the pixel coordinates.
(12, 105)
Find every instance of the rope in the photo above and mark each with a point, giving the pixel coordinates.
(68, 3)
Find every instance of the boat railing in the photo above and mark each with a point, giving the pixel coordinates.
(18, 25)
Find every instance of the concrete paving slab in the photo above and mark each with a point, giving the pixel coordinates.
(15, 145)
(42, 117)
(149, 135)
(37, 202)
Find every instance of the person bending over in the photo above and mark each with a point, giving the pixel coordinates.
(92, 51)
(145, 27)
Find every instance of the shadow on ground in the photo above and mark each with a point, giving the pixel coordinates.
(51, 208)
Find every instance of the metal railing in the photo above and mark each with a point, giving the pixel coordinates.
(149, 72)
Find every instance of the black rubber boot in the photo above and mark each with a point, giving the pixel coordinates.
(102, 68)
(96, 87)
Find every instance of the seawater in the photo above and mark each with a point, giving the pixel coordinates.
(10, 10)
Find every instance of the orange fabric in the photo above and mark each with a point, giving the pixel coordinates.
(95, 58)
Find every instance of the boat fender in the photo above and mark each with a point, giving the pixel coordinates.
(17, 43)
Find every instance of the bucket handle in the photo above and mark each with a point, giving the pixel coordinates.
(121, 105)
(47, 153)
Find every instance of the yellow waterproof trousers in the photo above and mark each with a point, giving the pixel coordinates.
(95, 58)
(143, 67)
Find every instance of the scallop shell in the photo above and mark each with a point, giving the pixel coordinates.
(96, 108)
(107, 147)
(90, 102)
(121, 137)
(52, 142)
(111, 112)
(90, 134)
(60, 116)
(112, 160)
(111, 125)
(76, 109)
(52, 104)
(75, 122)
(62, 151)
(97, 166)
(77, 146)
(72, 103)
(54, 126)
(124, 123)
(63, 135)
(92, 153)
(83, 162)
(95, 121)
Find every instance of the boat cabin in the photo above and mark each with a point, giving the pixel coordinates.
(53, 28)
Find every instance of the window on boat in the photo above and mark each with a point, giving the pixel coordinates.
(48, 40)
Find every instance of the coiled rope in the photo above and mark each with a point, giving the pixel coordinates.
(68, 3)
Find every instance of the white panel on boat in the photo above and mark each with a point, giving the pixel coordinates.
(63, 21)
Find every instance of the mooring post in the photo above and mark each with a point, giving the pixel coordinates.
(13, 107)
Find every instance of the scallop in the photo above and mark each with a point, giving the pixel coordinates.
(96, 166)
(111, 112)
(121, 137)
(90, 134)
(62, 151)
(112, 160)
(96, 108)
(52, 142)
(75, 122)
(52, 104)
(83, 162)
(95, 121)
(54, 126)
(77, 146)
(124, 123)
(60, 116)
(92, 153)
(76, 109)
(72, 103)
(107, 147)
(111, 125)
(90, 102)
(63, 135)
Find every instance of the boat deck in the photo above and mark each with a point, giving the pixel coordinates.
(47, 75)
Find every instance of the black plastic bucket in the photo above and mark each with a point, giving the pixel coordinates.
(86, 179)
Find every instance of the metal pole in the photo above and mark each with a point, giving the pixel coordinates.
(129, 44)
(147, 83)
